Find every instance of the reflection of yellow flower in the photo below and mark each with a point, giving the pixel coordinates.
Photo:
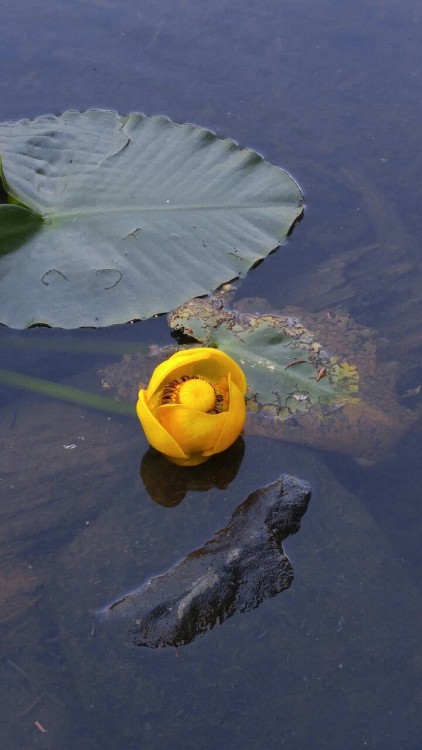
(194, 405)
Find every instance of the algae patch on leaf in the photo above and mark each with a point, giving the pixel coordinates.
(287, 369)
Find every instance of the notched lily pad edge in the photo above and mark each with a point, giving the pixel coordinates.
(279, 188)
(255, 157)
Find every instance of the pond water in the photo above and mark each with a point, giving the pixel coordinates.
(331, 92)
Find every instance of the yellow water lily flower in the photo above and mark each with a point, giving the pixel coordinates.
(194, 405)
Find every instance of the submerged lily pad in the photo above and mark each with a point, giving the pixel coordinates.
(342, 397)
(286, 368)
(118, 218)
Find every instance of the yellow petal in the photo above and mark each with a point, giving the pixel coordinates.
(217, 365)
(178, 364)
(235, 419)
(209, 363)
(194, 430)
(155, 433)
(193, 460)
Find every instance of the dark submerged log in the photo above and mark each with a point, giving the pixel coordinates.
(241, 566)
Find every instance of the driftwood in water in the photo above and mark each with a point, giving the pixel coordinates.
(237, 569)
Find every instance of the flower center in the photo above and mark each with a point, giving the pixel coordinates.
(193, 392)
(197, 394)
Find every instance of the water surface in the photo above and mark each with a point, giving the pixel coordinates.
(331, 93)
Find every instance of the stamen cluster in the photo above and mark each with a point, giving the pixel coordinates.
(171, 393)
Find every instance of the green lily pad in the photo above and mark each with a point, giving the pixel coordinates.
(286, 368)
(119, 218)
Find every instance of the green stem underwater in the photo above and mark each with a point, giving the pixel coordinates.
(65, 393)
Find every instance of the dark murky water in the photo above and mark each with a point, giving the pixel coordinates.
(332, 93)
